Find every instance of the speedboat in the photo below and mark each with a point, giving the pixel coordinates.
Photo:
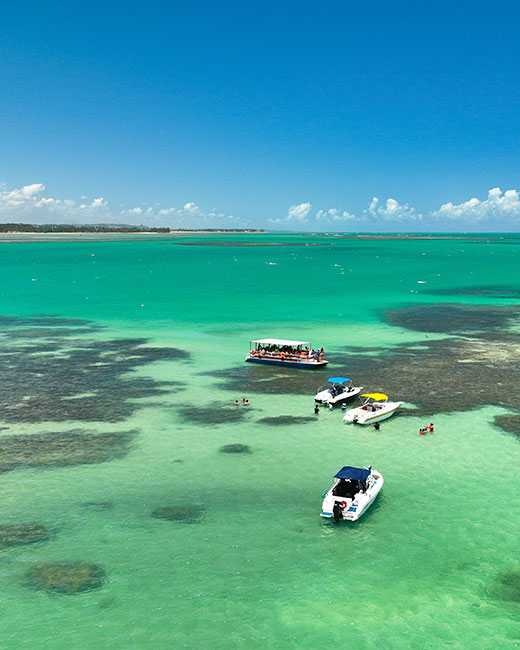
(375, 408)
(340, 389)
(281, 352)
(351, 494)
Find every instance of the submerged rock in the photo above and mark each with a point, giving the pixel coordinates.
(182, 514)
(52, 371)
(235, 448)
(62, 449)
(452, 318)
(18, 534)
(458, 373)
(98, 505)
(214, 413)
(509, 423)
(507, 586)
(284, 420)
(66, 577)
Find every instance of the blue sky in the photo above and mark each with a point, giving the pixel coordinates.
(331, 116)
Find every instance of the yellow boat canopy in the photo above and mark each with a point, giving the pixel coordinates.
(378, 397)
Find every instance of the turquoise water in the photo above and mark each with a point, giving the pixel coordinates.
(260, 570)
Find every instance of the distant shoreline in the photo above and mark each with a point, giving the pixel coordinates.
(54, 235)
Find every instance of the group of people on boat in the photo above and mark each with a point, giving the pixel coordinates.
(286, 352)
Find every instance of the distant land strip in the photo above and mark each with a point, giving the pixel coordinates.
(19, 228)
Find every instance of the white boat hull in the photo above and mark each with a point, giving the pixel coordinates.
(360, 415)
(324, 396)
(354, 508)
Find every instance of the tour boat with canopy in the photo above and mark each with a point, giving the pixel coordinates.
(282, 352)
(339, 390)
(351, 494)
(375, 408)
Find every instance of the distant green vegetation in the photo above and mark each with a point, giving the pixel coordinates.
(107, 228)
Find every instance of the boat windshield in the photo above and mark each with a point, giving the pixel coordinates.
(348, 488)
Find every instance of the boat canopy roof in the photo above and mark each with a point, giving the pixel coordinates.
(353, 473)
(293, 344)
(339, 380)
(378, 397)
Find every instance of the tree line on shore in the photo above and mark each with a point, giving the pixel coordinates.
(105, 228)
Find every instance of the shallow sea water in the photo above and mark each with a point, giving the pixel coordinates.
(260, 570)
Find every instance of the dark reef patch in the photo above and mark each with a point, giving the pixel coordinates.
(98, 505)
(214, 413)
(269, 380)
(19, 534)
(64, 375)
(490, 291)
(453, 318)
(478, 366)
(507, 586)
(235, 448)
(248, 244)
(40, 450)
(284, 420)
(66, 577)
(509, 423)
(181, 514)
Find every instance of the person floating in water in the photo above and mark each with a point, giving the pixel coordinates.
(428, 428)
(377, 426)
(245, 401)
(316, 409)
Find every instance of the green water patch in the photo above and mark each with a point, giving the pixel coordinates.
(235, 448)
(192, 514)
(453, 318)
(285, 420)
(49, 374)
(23, 533)
(75, 447)
(66, 577)
(213, 414)
(484, 291)
(509, 423)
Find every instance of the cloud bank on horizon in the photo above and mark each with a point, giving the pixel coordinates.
(498, 211)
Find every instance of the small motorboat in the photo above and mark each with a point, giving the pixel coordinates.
(339, 390)
(375, 408)
(353, 491)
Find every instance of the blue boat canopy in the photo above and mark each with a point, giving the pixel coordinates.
(338, 380)
(353, 473)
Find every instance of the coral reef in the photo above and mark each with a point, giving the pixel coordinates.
(62, 449)
(66, 577)
(18, 534)
(52, 371)
(183, 514)
(235, 448)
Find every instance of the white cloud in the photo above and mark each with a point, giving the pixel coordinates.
(334, 215)
(31, 204)
(191, 208)
(299, 212)
(392, 210)
(499, 205)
